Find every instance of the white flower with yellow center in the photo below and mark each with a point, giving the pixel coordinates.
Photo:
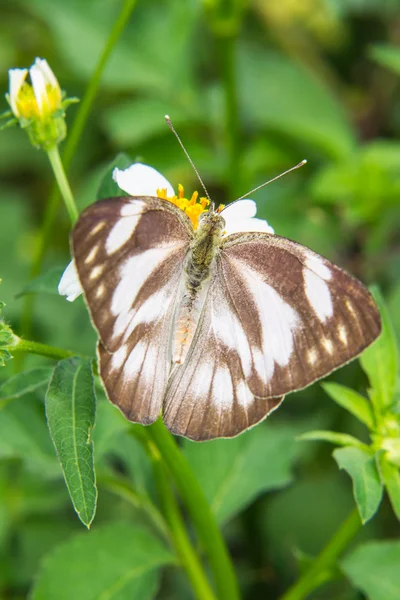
(38, 106)
(142, 180)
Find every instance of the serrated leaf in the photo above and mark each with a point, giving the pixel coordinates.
(234, 472)
(24, 383)
(352, 401)
(70, 411)
(386, 55)
(322, 435)
(380, 361)
(367, 486)
(373, 568)
(390, 475)
(118, 561)
(44, 284)
(108, 187)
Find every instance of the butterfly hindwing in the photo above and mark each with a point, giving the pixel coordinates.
(208, 396)
(129, 253)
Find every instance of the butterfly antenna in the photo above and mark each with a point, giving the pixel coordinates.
(172, 128)
(303, 162)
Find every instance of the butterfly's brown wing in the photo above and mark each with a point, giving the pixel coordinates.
(277, 317)
(303, 316)
(208, 396)
(129, 254)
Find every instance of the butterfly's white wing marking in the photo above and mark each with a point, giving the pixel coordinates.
(129, 254)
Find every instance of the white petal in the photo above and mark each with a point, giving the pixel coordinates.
(39, 88)
(47, 72)
(69, 283)
(17, 78)
(245, 225)
(242, 209)
(141, 180)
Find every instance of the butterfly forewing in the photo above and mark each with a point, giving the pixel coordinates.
(303, 317)
(129, 254)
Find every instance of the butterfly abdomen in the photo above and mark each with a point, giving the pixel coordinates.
(197, 271)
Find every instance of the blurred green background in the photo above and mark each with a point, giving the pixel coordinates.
(252, 88)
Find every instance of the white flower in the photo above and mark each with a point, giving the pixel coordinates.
(240, 217)
(69, 285)
(39, 100)
(141, 180)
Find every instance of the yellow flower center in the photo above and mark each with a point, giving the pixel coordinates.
(193, 207)
(27, 104)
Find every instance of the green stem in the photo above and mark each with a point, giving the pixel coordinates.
(180, 538)
(70, 146)
(62, 181)
(318, 573)
(200, 511)
(227, 53)
(122, 488)
(31, 347)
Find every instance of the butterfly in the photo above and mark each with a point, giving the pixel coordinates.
(209, 326)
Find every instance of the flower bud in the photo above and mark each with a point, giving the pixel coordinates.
(38, 106)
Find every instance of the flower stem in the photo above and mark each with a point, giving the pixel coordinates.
(68, 153)
(62, 181)
(227, 53)
(318, 572)
(31, 347)
(188, 557)
(199, 509)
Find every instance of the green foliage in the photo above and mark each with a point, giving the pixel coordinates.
(380, 363)
(70, 411)
(374, 467)
(373, 568)
(118, 561)
(367, 485)
(386, 55)
(44, 284)
(234, 472)
(252, 89)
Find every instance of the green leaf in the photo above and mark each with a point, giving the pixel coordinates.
(386, 55)
(24, 383)
(373, 568)
(390, 475)
(322, 435)
(287, 97)
(108, 187)
(351, 401)
(234, 472)
(118, 561)
(44, 284)
(367, 486)
(70, 411)
(380, 361)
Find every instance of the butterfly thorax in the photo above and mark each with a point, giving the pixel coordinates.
(197, 271)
